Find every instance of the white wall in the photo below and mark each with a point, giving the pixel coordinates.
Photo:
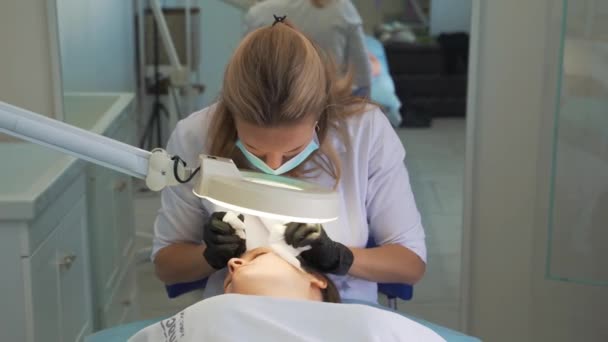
(222, 30)
(450, 16)
(97, 45)
(29, 65)
(586, 58)
(372, 15)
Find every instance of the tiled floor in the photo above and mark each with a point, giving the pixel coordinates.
(435, 159)
(152, 297)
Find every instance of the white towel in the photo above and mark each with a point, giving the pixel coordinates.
(273, 237)
(234, 317)
(233, 220)
(276, 242)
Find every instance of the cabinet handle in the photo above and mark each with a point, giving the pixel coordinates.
(120, 186)
(67, 261)
(126, 302)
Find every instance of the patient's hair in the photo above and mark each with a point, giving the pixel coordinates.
(330, 294)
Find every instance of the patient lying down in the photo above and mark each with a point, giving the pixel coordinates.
(268, 299)
(262, 272)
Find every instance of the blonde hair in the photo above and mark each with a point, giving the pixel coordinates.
(279, 77)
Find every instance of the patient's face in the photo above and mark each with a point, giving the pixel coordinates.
(262, 272)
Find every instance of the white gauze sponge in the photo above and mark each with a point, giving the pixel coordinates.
(273, 238)
(233, 220)
(276, 242)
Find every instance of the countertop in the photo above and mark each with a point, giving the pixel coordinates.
(33, 175)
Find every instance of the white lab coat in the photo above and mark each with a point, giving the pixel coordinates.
(376, 197)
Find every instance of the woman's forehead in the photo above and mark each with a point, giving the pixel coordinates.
(275, 139)
(305, 123)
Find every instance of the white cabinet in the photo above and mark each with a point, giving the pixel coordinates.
(112, 230)
(59, 283)
(67, 233)
(122, 306)
(45, 256)
(112, 246)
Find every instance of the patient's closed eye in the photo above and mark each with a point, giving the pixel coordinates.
(235, 263)
(254, 253)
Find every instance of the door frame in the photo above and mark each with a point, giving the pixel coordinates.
(482, 148)
(471, 115)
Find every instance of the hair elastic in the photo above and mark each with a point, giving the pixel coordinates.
(278, 19)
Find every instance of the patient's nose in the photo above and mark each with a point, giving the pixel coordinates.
(235, 263)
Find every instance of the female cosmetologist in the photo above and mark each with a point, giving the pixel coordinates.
(285, 109)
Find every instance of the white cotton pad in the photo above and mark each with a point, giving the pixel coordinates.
(239, 226)
(261, 232)
(276, 242)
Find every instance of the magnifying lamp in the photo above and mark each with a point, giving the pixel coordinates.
(218, 179)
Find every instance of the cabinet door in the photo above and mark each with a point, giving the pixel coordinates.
(123, 217)
(43, 269)
(59, 281)
(123, 306)
(122, 192)
(103, 239)
(74, 282)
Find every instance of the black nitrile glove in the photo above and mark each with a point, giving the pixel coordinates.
(222, 242)
(325, 254)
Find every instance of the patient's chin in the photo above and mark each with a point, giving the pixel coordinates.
(254, 277)
(268, 281)
(250, 289)
(244, 284)
(264, 288)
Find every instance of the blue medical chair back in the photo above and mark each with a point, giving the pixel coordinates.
(179, 289)
(390, 290)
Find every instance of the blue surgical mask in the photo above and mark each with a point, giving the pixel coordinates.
(287, 166)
